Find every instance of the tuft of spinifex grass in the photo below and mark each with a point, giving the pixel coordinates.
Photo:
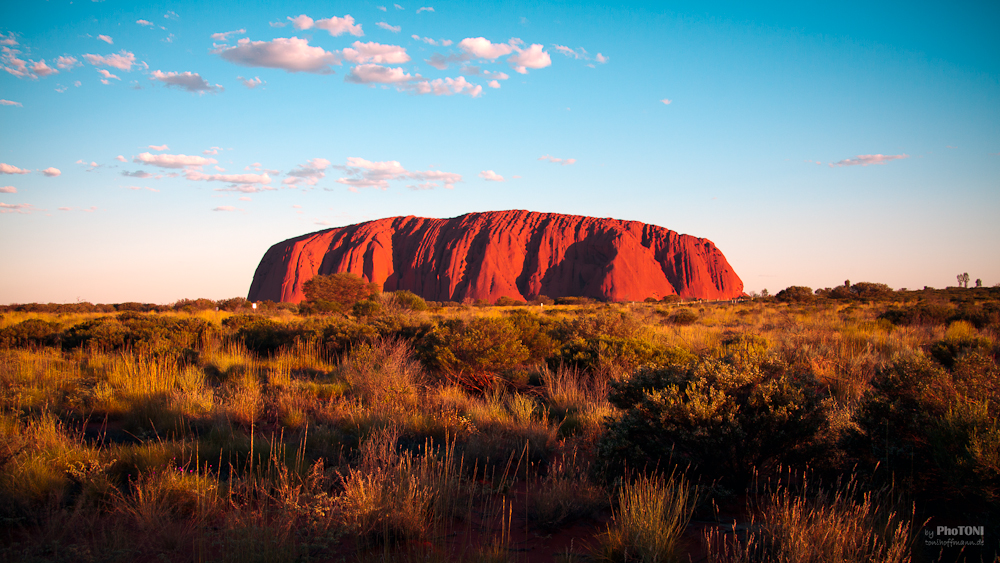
(651, 516)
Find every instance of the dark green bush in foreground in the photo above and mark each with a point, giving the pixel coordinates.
(722, 420)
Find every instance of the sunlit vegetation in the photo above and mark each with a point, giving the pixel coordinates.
(838, 425)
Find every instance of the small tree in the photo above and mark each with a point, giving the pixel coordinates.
(795, 293)
(963, 280)
(337, 292)
(979, 282)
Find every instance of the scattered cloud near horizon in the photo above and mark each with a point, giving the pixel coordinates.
(10, 169)
(10, 103)
(491, 176)
(173, 160)
(334, 25)
(8, 190)
(866, 159)
(363, 173)
(289, 54)
(51, 172)
(190, 81)
(554, 160)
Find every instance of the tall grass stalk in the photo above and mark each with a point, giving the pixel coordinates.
(651, 515)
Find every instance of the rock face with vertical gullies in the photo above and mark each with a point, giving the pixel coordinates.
(516, 254)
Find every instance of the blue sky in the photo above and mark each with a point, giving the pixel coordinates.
(154, 151)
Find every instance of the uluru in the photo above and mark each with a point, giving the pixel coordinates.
(515, 254)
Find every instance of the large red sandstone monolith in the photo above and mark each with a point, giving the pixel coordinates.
(516, 254)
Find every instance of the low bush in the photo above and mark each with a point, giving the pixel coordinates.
(683, 317)
(721, 420)
(32, 332)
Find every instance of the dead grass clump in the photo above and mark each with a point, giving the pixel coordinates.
(843, 525)
(565, 494)
(651, 514)
(384, 374)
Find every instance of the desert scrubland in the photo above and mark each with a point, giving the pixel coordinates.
(848, 426)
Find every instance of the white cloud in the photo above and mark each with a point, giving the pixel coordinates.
(159, 147)
(497, 75)
(482, 48)
(42, 69)
(225, 208)
(8, 40)
(493, 84)
(10, 103)
(335, 26)
(8, 169)
(23, 208)
(375, 74)
(441, 62)
(446, 87)
(196, 176)
(121, 158)
(219, 168)
(666, 101)
(397, 6)
(122, 61)
(601, 58)
(866, 159)
(173, 160)
(144, 22)
(310, 172)
(562, 161)
(491, 176)
(251, 82)
(425, 9)
(106, 39)
(388, 27)
(532, 57)
(136, 174)
(289, 54)
(245, 198)
(8, 190)
(190, 81)
(429, 41)
(224, 36)
(77, 83)
(382, 8)
(66, 62)
(375, 53)
(212, 151)
(106, 74)
(569, 52)
(51, 172)
(301, 22)
(363, 173)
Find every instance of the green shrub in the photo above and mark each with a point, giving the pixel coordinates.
(922, 314)
(795, 294)
(406, 300)
(915, 410)
(260, 334)
(721, 420)
(481, 345)
(32, 332)
(960, 339)
(140, 332)
(683, 317)
(366, 308)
